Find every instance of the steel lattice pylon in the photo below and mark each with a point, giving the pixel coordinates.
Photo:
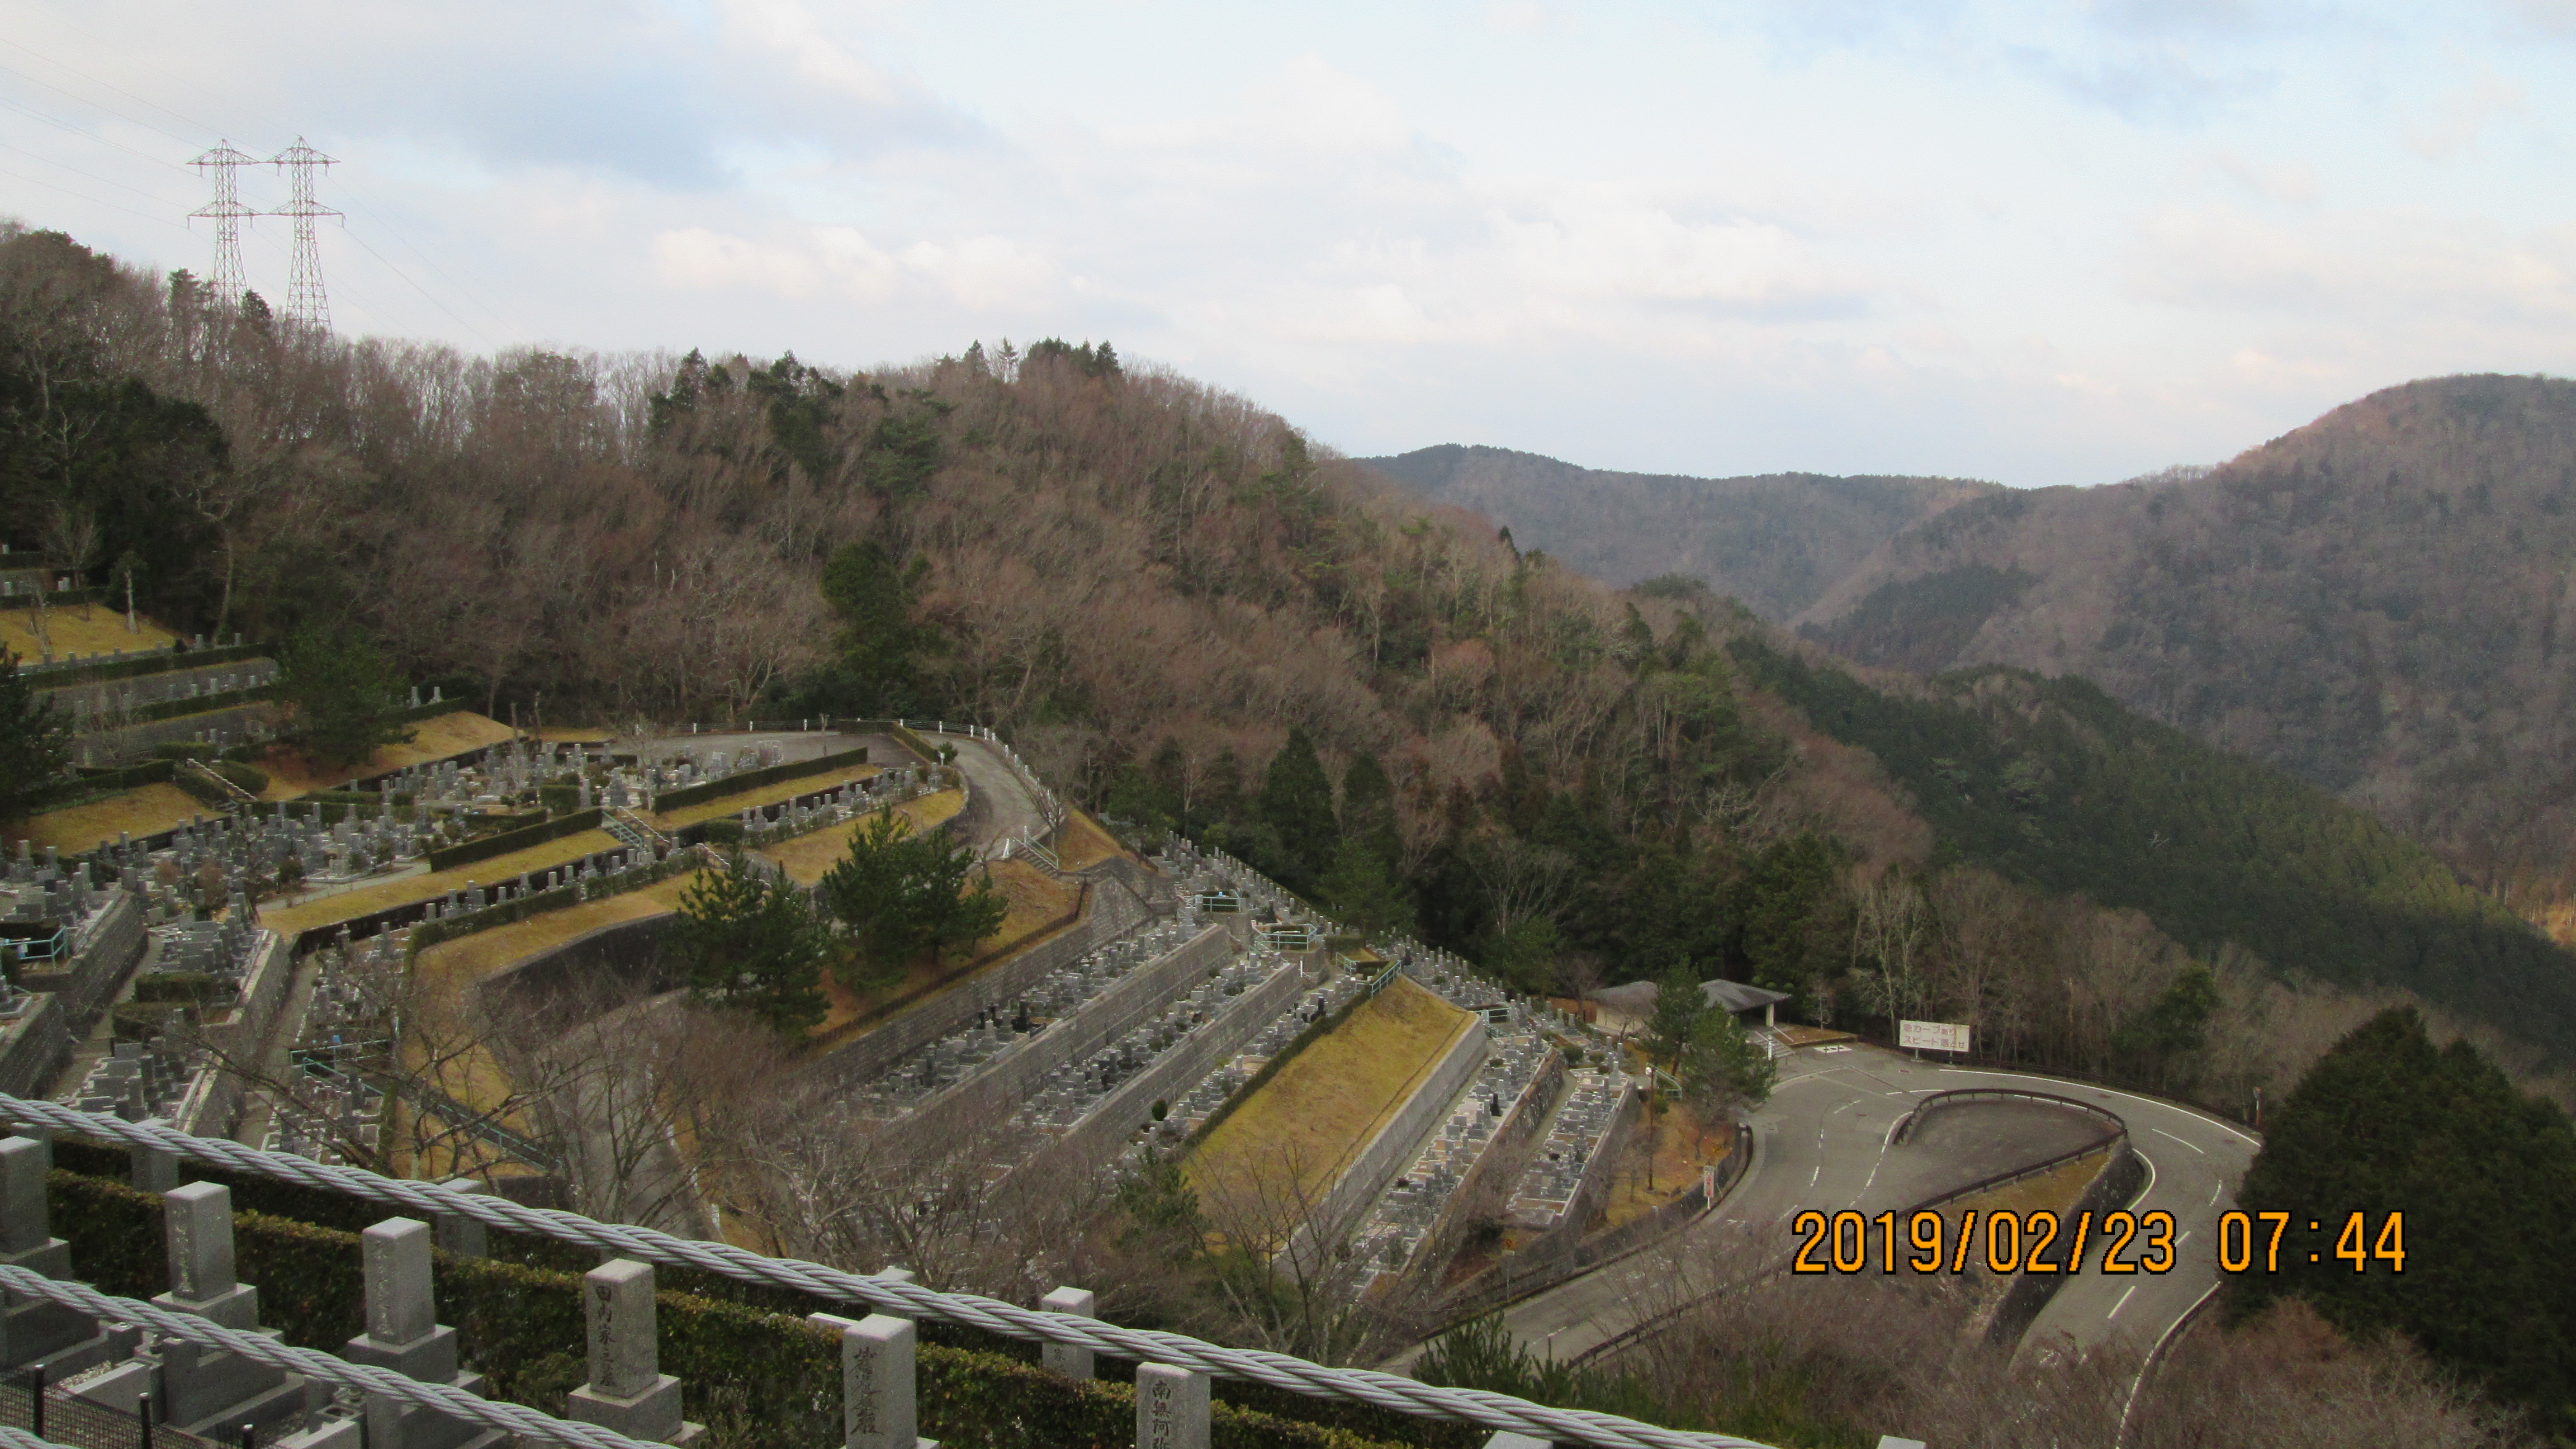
(227, 280)
(305, 299)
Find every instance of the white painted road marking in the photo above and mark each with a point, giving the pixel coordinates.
(2194, 1146)
(2123, 1303)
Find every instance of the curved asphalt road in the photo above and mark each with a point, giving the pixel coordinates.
(1821, 1142)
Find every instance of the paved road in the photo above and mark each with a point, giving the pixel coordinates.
(1821, 1142)
(999, 803)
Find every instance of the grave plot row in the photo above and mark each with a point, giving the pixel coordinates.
(1551, 1191)
(1407, 1216)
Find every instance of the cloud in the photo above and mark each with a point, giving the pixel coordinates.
(2458, 116)
(2396, 271)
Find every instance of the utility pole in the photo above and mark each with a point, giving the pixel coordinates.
(227, 281)
(305, 300)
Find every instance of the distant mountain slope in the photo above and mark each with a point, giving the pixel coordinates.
(2051, 782)
(2383, 602)
(1776, 541)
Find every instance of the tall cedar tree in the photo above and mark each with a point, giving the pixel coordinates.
(1363, 894)
(1368, 809)
(880, 645)
(32, 749)
(754, 944)
(342, 692)
(1297, 802)
(2486, 1177)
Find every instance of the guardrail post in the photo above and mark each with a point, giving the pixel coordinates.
(1064, 1358)
(153, 1169)
(458, 1235)
(1171, 1407)
(628, 1391)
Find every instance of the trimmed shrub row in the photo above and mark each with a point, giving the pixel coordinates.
(758, 1374)
(754, 779)
(510, 840)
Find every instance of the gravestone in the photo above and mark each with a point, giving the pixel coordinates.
(403, 1334)
(1065, 1358)
(1171, 1407)
(627, 1391)
(34, 1332)
(197, 1389)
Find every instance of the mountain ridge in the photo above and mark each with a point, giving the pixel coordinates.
(1774, 540)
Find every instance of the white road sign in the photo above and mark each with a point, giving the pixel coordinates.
(1935, 1036)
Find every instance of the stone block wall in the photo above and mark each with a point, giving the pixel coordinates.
(244, 1035)
(991, 1094)
(1113, 914)
(1094, 1142)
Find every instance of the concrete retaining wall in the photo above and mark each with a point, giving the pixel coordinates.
(208, 1108)
(1114, 912)
(35, 1049)
(1489, 1183)
(1090, 1144)
(991, 1094)
(104, 953)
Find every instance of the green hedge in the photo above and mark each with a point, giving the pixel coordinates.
(202, 790)
(185, 750)
(66, 676)
(246, 776)
(200, 704)
(760, 1379)
(754, 779)
(537, 903)
(94, 784)
(510, 840)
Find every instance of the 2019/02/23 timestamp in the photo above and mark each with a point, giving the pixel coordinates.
(2010, 1242)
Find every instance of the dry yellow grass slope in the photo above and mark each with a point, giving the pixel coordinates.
(808, 856)
(724, 805)
(291, 774)
(143, 810)
(103, 632)
(1292, 1138)
(348, 905)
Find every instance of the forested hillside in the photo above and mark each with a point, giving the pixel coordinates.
(2050, 781)
(2378, 602)
(1186, 615)
(1776, 541)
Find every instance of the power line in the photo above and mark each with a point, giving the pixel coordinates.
(92, 200)
(392, 229)
(76, 171)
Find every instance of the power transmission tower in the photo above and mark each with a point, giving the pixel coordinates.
(304, 297)
(227, 281)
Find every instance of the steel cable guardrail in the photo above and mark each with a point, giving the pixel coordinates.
(498, 1414)
(993, 1315)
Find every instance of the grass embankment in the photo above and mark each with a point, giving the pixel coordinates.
(405, 889)
(291, 773)
(730, 805)
(1662, 1161)
(1081, 844)
(2053, 1191)
(1293, 1137)
(103, 632)
(143, 810)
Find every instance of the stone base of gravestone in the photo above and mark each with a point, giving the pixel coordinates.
(653, 1415)
(430, 1358)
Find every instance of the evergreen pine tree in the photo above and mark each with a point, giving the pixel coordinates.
(31, 742)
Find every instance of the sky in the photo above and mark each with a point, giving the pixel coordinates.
(2041, 243)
